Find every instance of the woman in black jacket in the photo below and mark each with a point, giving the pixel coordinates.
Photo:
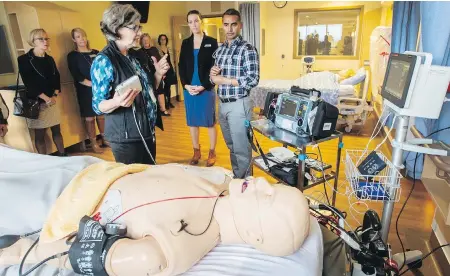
(41, 78)
(79, 62)
(196, 60)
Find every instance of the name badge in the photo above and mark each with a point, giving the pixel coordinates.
(207, 45)
(92, 56)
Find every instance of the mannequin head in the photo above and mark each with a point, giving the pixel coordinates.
(272, 218)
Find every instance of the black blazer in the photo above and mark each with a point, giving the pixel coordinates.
(39, 74)
(205, 60)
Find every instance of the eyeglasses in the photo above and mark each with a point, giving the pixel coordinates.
(42, 39)
(135, 28)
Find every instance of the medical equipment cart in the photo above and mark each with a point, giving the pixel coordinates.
(268, 129)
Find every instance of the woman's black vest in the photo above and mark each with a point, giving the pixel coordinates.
(120, 126)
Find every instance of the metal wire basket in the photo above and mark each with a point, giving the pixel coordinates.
(381, 186)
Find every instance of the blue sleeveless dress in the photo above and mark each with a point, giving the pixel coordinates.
(200, 108)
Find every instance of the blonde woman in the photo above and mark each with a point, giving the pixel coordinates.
(151, 51)
(80, 62)
(41, 78)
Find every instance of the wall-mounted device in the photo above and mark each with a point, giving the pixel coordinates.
(308, 62)
(291, 113)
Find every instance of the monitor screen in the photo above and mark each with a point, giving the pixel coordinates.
(398, 78)
(288, 107)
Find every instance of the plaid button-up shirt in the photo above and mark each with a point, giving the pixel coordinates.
(239, 61)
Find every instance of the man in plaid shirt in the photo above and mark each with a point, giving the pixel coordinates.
(236, 71)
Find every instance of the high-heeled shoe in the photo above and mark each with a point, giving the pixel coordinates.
(165, 113)
(196, 157)
(211, 158)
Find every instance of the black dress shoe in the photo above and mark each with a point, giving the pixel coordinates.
(63, 154)
(171, 105)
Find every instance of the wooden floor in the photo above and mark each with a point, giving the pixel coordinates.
(174, 146)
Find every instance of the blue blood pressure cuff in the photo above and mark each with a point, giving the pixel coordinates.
(87, 253)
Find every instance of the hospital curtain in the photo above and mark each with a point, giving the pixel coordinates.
(435, 39)
(405, 26)
(431, 16)
(250, 20)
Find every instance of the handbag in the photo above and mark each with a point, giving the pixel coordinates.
(24, 106)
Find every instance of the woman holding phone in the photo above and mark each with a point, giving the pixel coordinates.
(130, 115)
(196, 60)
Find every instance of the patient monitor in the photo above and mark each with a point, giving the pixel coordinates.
(413, 87)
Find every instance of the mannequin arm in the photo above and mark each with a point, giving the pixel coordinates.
(135, 257)
(125, 257)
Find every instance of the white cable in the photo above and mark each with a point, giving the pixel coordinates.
(387, 134)
(372, 137)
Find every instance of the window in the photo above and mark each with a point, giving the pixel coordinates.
(328, 33)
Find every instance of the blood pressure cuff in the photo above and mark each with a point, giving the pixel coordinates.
(88, 252)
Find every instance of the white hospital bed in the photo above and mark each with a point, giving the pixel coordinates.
(39, 179)
(354, 110)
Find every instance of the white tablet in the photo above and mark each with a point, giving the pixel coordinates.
(133, 83)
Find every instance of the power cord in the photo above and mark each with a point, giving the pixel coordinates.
(424, 257)
(140, 134)
(323, 175)
(409, 195)
(40, 263)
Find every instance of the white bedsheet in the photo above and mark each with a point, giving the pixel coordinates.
(30, 183)
(244, 260)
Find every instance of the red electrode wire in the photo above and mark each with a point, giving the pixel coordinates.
(163, 200)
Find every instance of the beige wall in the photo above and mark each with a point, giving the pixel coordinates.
(208, 8)
(159, 18)
(279, 28)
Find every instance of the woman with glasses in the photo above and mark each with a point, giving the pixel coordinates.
(42, 81)
(79, 62)
(131, 115)
(151, 51)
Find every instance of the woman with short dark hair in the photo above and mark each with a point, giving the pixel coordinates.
(131, 116)
(171, 76)
(196, 60)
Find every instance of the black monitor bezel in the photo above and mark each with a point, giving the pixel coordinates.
(411, 59)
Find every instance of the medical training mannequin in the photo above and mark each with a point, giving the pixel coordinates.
(272, 218)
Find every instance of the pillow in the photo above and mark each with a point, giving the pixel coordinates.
(357, 78)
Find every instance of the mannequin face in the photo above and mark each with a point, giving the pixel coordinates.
(272, 218)
(41, 41)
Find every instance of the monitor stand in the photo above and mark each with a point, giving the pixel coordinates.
(398, 146)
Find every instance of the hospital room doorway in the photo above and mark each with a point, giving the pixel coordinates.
(212, 26)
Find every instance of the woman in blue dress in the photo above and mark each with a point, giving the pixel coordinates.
(196, 60)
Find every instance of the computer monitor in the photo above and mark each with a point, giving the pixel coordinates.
(413, 87)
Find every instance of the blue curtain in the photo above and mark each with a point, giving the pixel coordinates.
(405, 30)
(405, 26)
(435, 39)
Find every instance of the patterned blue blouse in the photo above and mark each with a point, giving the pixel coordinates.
(102, 75)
